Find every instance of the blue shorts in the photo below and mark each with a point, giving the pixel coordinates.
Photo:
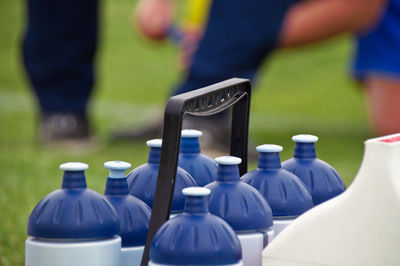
(378, 51)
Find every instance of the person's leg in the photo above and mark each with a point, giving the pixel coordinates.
(384, 104)
(238, 36)
(58, 52)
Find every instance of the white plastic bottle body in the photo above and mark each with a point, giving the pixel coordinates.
(45, 252)
(280, 224)
(252, 246)
(131, 256)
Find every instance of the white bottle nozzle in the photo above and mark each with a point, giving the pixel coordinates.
(74, 166)
(228, 160)
(304, 138)
(196, 191)
(269, 148)
(117, 168)
(154, 143)
(191, 133)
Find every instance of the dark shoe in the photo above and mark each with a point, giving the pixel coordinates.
(60, 127)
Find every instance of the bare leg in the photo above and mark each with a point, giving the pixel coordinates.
(383, 95)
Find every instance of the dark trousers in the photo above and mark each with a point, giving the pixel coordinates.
(238, 37)
(58, 52)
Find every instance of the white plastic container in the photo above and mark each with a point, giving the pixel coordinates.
(358, 227)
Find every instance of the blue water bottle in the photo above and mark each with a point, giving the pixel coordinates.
(243, 207)
(321, 179)
(143, 179)
(195, 237)
(201, 167)
(133, 214)
(286, 193)
(73, 226)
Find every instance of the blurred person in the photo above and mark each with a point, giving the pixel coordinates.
(239, 35)
(237, 38)
(59, 49)
(377, 66)
(376, 63)
(60, 45)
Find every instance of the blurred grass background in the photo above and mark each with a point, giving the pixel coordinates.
(306, 90)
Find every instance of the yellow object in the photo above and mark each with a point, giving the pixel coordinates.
(196, 13)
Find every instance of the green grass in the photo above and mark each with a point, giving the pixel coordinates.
(299, 91)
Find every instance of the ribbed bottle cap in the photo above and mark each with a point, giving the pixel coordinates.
(73, 212)
(304, 138)
(191, 133)
(142, 184)
(284, 191)
(196, 191)
(319, 177)
(269, 148)
(117, 168)
(238, 203)
(228, 160)
(195, 238)
(154, 143)
(74, 166)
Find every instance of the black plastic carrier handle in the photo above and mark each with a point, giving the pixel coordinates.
(201, 102)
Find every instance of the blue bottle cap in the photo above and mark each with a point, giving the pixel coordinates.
(285, 192)
(74, 211)
(195, 237)
(201, 167)
(321, 179)
(142, 180)
(238, 203)
(133, 214)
